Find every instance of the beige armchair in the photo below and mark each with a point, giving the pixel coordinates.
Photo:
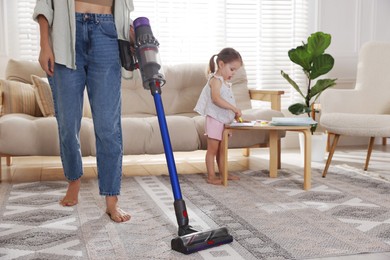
(365, 110)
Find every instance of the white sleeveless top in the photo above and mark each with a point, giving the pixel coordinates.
(206, 107)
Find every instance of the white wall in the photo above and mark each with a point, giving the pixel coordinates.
(351, 24)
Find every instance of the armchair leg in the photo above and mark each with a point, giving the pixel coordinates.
(331, 152)
(328, 141)
(369, 151)
(246, 152)
(279, 154)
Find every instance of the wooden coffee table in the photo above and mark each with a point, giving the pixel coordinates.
(274, 149)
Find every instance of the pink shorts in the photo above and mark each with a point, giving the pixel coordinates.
(214, 128)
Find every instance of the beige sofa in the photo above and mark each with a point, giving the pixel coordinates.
(28, 127)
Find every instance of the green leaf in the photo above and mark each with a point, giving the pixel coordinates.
(292, 82)
(301, 56)
(320, 86)
(321, 65)
(298, 108)
(317, 43)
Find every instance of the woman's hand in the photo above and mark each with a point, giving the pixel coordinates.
(46, 60)
(132, 39)
(46, 55)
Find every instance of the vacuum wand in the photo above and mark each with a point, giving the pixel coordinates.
(147, 56)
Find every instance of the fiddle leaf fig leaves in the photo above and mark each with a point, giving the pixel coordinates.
(315, 62)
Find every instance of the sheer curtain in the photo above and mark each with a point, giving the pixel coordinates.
(193, 30)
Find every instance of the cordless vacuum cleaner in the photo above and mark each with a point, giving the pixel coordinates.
(147, 56)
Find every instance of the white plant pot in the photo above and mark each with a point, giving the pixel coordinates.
(318, 146)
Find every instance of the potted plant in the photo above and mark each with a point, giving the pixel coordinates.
(315, 62)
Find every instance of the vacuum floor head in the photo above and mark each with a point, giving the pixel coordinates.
(201, 240)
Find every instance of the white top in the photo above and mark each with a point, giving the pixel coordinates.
(206, 107)
(63, 25)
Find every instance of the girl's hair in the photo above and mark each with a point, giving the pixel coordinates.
(226, 55)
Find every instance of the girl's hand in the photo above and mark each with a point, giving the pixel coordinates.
(237, 113)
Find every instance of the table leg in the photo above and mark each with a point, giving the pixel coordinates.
(279, 154)
(224, 156)
(273, 153)
(307, 161)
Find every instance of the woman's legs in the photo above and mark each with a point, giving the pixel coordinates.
(104, 92)
(98, 67)
(68, 87)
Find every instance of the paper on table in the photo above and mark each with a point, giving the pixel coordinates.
(245, 123)
(294, 121)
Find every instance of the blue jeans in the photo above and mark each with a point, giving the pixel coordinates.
(98, 69)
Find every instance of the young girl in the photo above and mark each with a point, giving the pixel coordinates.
(217, 103)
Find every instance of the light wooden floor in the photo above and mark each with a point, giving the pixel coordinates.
(31, 169)
(36, 168)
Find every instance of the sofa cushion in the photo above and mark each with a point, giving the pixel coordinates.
(43, 95)
(240, 89)
(142, 135)
(18, 97)
(184, 85)
(21, 70)
(38, 135)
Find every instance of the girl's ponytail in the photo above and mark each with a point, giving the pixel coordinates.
(212, 64)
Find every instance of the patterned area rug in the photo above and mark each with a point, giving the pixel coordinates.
(343, 214)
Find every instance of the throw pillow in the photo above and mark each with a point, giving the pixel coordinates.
(240, 89)
(21, 70)
(43, 95)
(18, 97)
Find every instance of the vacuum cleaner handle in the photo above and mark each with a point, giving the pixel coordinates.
(189, 240)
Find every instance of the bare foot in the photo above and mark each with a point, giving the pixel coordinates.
(214, 181)
(72, 194)
(116, 214)
(233, 177)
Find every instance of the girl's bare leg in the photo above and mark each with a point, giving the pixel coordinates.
(211, 154)
(230, 177)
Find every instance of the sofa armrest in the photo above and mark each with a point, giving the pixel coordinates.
(273, 96)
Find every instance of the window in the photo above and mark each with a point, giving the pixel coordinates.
(262, 31)
(193, 30)
(22, 33)
(28, 31)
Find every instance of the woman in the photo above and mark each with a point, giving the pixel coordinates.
(79, 49)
